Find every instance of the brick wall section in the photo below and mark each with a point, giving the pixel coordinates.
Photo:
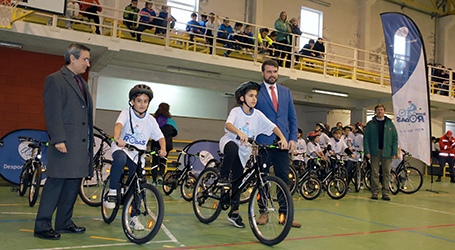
(22, 76)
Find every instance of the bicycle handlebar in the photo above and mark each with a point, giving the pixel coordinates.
(141, 151)
(406, 152)
(255, 144)
(25, 138)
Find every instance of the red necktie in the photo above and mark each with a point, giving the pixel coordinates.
(78, 80)
(274, 99)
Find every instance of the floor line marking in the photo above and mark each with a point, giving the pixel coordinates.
(412, 206)
(18, 213)
(26, 230)
(106, 238)
(104, 245)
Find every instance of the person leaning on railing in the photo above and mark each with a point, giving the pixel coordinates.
(127, 15)
(163, 20)
(147, 16)
(92, 6)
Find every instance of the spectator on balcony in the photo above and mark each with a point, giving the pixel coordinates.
(211, 25)
(307, 49)
(444, 80)
(264, 41)
(163, 20)
(147, 16)
(224, 30)
(236, 38)
(204, 19)
(319, 48)
(284, 28)
(72, 12)
(92, 7)
(273, 46)
(193, 26)
(247, 37)
(295, 29)
(130, 15)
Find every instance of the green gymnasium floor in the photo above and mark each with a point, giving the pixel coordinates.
(423, 220)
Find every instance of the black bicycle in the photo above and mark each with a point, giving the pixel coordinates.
(308, 182)
(32, 171)
(143, 206)
(182, 177)
(332, 177)
(91, 187)
(270, 196)
(405, 178)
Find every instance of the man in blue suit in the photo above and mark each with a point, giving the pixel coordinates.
(275, 101)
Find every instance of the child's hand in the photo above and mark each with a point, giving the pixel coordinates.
(120, 142)
(331, 152)
(243, 138)
(162, 153)
(352, 156)
(283, 144)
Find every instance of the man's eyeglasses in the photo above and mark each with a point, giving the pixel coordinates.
(87, 60)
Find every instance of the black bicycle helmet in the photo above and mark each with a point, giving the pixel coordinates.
(243, 89)
(359, 126)
(299, 130)
(141, 89)
(334, 129)
(321, 125)
(347, 127)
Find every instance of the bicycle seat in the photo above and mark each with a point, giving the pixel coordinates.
(33, 145)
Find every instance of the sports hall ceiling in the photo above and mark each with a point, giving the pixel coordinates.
(435, 8)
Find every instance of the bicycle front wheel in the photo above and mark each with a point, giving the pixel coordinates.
(25, 177)
(293, 180)
(169, 181)
(310, 188)
(207, 196)
(393, 185)
(272, 200)
(337, 188)
(143, 214)
(410, 180)
(187, 187)
(367, 178)
(92, 187)
(35, 185)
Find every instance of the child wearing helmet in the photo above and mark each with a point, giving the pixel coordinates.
(357, 141)
(243, 122)
(338, 146)
(133, 126)
(314, 150)
(298, 156)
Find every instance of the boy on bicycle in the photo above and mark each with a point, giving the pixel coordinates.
(243, 122)
(314, 150)
(298, 156)
(133, 126)
(338, 146)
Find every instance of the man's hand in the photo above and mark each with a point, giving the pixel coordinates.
(162, 153)
(61, 147)
(394, 156)
(368, 155)
(292, 146)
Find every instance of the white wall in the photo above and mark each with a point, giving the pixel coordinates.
(338, 115)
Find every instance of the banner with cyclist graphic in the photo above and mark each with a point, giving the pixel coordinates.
(407, 62)
(14, 153)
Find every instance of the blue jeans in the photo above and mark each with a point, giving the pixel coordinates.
(120, 160)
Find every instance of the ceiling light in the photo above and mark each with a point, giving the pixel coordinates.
(327, 92)
(11, 45)
(192, 71)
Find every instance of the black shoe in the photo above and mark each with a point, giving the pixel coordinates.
(236, 219)
(386, 197)
(47, 235)
(97, 32)
(374, 196)
(439, 179)
(73, 229)
(452, 180)
(133, 34)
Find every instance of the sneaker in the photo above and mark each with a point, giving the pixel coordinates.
(236, 219)
(374, 196)
(154, 183)
(110, 201)
(386, 197)
(226, 54)
(263, 219)
(136, 224)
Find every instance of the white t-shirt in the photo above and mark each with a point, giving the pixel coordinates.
(145, 128)
(339, 147)
(323, 140)
(311, 147)
(357, 145)
(300, 150)
(251, 125)
(348, 139)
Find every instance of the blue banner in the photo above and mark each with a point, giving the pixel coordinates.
(407, 67)
(14, 153)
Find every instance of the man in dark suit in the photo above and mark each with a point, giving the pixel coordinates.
(275, 101)
(68, 111)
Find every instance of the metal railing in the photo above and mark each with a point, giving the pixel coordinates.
(337, 60)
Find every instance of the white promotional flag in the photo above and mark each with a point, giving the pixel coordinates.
(407, 62)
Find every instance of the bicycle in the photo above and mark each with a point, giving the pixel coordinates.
(181, 177)
(91, 187)
(405, 178)
(32, 171)
(142, 203)
(270, 195)
(308, 182)
(295, 171)
(332, 177)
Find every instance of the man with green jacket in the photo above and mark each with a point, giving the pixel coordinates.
(380, 145)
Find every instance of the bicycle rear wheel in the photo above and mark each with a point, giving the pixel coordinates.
(92, 187)
(273, 200)
(107, 213)
(367, 178)
(293, 180)
(410, 180)
(310, 188)
(393, 184)
(357, 178)
(337, 188)
(35, 185)
(25, 177)
(169, 182)
(143, 214)
(187, 187)
(206, 197)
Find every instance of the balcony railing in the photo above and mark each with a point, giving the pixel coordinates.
(337, 60)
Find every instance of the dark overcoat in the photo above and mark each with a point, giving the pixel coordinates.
(69, 119)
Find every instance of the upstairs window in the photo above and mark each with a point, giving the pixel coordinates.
(182, 11)
(310, 24)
